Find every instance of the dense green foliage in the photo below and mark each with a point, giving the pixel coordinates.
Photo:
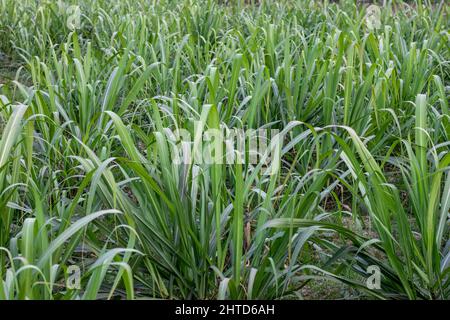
(87, 177)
